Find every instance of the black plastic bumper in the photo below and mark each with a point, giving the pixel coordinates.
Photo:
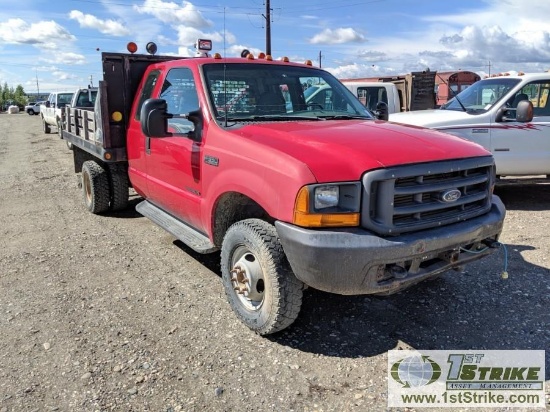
(355, 261)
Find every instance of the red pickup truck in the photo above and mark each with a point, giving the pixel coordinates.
(228, 155)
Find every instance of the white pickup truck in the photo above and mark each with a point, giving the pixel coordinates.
(368, 93)
(508, 115)
(50, 111)
(371, 93)
(83, 98)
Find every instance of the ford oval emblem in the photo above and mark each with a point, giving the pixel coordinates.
(450, 196)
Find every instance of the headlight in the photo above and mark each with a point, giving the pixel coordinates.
(331, 205)
(326, 196)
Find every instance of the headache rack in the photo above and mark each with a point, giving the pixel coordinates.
(427, 195)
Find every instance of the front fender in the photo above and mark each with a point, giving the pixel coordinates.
(275, 192)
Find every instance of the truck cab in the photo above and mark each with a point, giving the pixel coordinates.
(508, 115)
(372, 93)
(84, 98)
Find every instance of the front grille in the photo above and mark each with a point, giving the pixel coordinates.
(427, 195)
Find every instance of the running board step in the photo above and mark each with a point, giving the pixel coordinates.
(192, 238)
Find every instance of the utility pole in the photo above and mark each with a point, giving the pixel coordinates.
(267, 27)
(320, 60)
(489, 68)
(37, 87)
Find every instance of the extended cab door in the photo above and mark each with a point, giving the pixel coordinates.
(524, 148)
(173, 163)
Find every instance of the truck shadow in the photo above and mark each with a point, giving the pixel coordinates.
(472, 310)
(533, 194)
(476, 309)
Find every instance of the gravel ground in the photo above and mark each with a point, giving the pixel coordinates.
(101, 313)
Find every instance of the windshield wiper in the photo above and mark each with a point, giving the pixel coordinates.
(455, 95)
(271, 118)
(344, 117)
(460, 103)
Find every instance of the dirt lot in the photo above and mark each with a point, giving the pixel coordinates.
(110, 313)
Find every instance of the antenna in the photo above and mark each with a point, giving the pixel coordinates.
(224, 75)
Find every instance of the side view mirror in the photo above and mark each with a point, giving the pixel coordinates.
(47, 104)
(382, 112)
(524, 113)
(154, 118)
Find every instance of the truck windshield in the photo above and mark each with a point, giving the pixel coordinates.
(256, 92)
(64, 99)
(482, 95)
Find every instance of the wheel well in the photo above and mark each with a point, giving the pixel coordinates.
(80, 156)
(231, 208)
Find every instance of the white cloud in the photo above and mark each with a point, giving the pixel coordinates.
(473, 44)
(61, 75)
(169, 12)
(187, 36)
(338, 36)
(355, 70)
(109, 26)
(65, 58)
(17, 31)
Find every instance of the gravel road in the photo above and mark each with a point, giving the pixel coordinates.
(101, 313)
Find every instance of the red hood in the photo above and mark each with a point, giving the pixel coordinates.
(344, 149)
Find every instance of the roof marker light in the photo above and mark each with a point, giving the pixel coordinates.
(151, 48)
(131, 47)
(261, 55)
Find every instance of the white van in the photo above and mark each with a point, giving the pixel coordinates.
(508, 115)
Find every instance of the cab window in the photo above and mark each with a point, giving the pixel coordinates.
(180, 93)
(147, 91)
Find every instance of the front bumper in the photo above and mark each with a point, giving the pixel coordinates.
(356, 261)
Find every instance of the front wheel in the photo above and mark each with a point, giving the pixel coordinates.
(259, 284)
(30, 112)
(45, 126)
(59, 129)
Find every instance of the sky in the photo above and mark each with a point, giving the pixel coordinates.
(54, 45)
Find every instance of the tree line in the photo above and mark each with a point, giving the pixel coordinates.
(11, 95)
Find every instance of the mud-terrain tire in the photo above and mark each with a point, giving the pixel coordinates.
(253, 261)
(119, 187)
(45, 126)
(95, 187)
